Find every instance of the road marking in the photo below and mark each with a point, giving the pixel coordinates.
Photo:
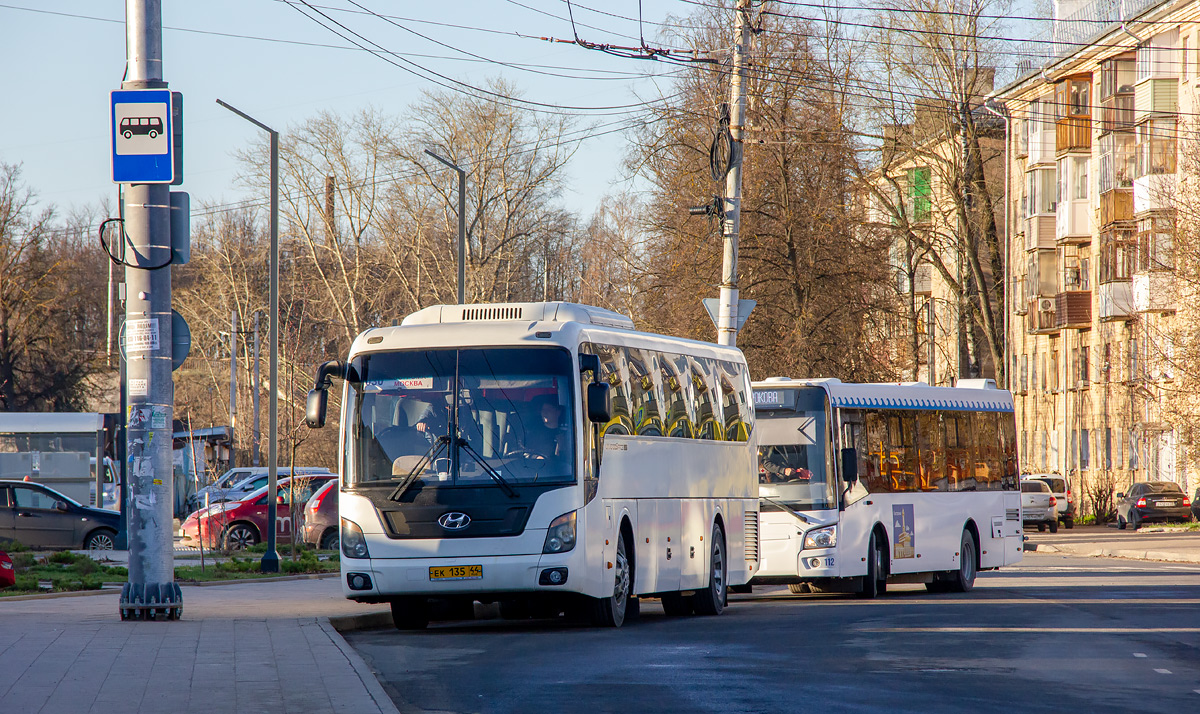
(1162, 671)
(1139, 654)
(1096, 630)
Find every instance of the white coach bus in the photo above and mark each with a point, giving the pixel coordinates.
(545, 456)
(866, 484)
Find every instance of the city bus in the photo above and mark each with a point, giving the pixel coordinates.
(868, 484)
(547, 457)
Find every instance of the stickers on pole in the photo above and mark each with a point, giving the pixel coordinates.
(141, 335)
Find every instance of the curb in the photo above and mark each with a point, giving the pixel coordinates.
(365, 674)
(182, 583)
(365, 621)
(1150, 555)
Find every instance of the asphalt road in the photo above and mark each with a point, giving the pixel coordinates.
(1052, 634)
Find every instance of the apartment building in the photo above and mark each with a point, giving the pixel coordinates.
(1094, 184)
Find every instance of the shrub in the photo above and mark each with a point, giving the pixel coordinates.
(63, 557)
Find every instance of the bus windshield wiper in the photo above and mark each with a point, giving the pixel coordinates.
(430, 454)
(784, 506)
(504, 484)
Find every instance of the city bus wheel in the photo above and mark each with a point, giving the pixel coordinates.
(875, 581)
(410, 613)
(963, 579)
(610, 611)
(711, 600)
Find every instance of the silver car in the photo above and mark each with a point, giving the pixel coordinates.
(1038, 505)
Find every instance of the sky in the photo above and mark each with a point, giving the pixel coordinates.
(267, 58)
(63, 57)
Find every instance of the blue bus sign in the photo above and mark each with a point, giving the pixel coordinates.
(142, 136)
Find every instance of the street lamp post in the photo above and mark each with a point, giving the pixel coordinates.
(270, 559)
(462, 225)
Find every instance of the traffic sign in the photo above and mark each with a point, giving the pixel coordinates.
(142, 136)
(145, 338)
(713, 306)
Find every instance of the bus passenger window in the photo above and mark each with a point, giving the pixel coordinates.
(989, 464)
(677, 386)
(614, 371)
(644, 393)
(875, 476)
(703, 381)
(932, 450)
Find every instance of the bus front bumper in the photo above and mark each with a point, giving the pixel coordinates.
(482, 576)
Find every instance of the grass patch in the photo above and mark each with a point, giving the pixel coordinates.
(241, 568)
(62, 571)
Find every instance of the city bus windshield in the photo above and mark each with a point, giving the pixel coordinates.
(471, 417)
(792, 456)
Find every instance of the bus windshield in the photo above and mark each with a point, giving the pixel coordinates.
(792, 466)
(461, 417)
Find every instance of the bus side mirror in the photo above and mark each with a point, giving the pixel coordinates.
(598, 410)
(590, 363)
(850, 465)
(314, 408)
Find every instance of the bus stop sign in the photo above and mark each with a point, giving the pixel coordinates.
(142, 138)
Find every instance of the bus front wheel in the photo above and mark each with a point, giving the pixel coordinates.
(875, 581)
(610, 611)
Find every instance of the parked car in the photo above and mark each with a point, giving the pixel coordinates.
(1196, 505)
(321, 518)
(235, 484)
(1038, 505)
(1061, 488)
(8, 574)
(1152, 501)
(41, 517)
(237, 525)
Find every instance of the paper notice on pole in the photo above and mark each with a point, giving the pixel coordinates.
(139, 387)
(138, 416)
(158, 417)
(141, 335)
(144, 501)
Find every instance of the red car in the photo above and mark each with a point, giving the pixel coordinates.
(321, 518)
(237, 525)
(8, 575)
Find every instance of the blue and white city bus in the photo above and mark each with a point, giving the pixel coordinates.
(545, 456)
(866, 484)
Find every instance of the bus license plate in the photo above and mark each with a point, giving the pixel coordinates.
(457, 572)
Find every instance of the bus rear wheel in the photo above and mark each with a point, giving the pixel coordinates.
(963, 579)
(711, 600)
(610, 611)
(410, 613)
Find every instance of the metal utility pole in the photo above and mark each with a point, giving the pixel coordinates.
(148, 342)
(462, 225)
(270, 559)
(233, 332)
(254, 395)
(727, 317)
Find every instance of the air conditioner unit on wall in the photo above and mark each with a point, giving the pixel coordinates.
(1046, 304)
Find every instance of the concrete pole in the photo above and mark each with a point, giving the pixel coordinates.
(727, 318)
(270, 559)
(462, 225)
(233, 361)
(257, 434)
(148, 317)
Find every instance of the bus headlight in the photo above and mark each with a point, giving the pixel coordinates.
(560, 536)
(354, 545)
(821, 537)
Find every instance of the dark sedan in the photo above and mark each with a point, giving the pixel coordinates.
(41, 517)
(1149, 501)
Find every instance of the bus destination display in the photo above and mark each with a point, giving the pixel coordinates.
(774, 399)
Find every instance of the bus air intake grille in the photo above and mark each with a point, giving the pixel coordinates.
(491, 313)
(752, 536)
(1012, 514)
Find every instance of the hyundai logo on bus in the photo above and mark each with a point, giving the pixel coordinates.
(454, 521)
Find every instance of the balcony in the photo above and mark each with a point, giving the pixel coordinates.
(1041, 146)
(1073, 134)
(1073, 309)
(1154, 291)
(923, 280)
(1039, 232)
(1116, 113)
(1156, 97)
(1115, 301)
(1116, 205)
(1040, 317)
(1073, 224)
(1153, 192)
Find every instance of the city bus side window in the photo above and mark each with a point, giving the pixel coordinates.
(987, 441)
(644, 393)
(731, 413)
(875, 476)
(613, 371)
(931, 448)
(704, 388)
(678, 387)
(1008, 446)
(902, 454)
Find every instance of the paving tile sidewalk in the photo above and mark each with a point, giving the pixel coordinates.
(1101, 541)
(249, 647)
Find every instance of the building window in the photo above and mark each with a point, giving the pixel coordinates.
(1156, 147)
(1083, 364)
(1117, 251)
(1085, 453)
(1108, 447)
(1054, 371)
(920, 191)
(1079, 178)
(1133, 360)
(1156, 245)
(1133, 450)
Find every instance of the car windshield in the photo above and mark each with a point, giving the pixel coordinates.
(471, 417)
(1034, 487)
(792, 465)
